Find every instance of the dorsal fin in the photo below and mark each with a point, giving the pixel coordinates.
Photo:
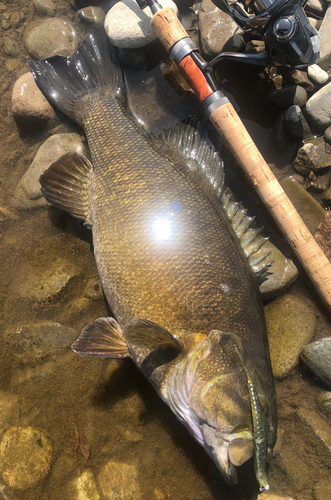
(66, 184)
(198, 156)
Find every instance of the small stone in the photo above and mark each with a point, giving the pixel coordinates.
(91, 15)
(317, 359)
(29, 107)
(317, 184)
(84, 487)
(26, 455)
(322, 489)
(312, 157)
(323, 401)
(52, 37)
(10, 47)
(93, 289)
(118, 480)
(283, 271)
(27, 193)
(9, 410)
(290, 324)
(308, 208)
(299, 77)
(44, 7)
(325, 41)
(132, 58)
(218, 32)
(295, 124)
(255, 47)
(327, 135)
(317, 74)
(318, 107)
(323, 234)
(16, 18)
(127, 26)
(286, 97)
(46, 288)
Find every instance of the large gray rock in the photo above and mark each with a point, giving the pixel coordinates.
(318, 108)
(218, 32)
(27, 193)
(127, 26)
(51, 37)
(325, 41)
(317, 359)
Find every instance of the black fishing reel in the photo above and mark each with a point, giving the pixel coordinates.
(290, 40)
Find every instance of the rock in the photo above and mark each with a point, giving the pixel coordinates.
(325, 41)
(299, 77)
(323, 234)
(295, 124)
(312, 157)
(10, 409)
(132, 58)
(286, 97)
(44, 7)
(317, 74)
(283, 272)
(47, 287)
(317, 359)
(93, 289)
(29, 107)
(317, 184)
(5, 22)
(91, 15)
(326, 198)
(271, 496)
(318, 108)
(51, 37)
(218, 32)
(10, 47)
(33, 344)
(127, 26)
(118, 480)
(27, 193)
(308, 208)
(83, 487)
(323, 401)
(290, 324)
(316, 7)
(316, 23)
(26, 455)
(322, 489)
(317, 428)
(327, 135)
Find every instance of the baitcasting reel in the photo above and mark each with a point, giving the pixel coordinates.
(290, 40)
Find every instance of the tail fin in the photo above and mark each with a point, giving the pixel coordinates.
(64, 80)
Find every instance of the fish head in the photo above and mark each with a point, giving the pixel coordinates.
(208, 392)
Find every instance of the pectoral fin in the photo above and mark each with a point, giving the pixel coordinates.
(102, 339)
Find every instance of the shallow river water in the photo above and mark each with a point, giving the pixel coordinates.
(102, 431)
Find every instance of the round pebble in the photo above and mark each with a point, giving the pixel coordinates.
(52, 37)
(286, 97)
(317, 74)
(26, 455)
(118, 480)
(323, 401)
(29, 107)
(91, 15)
(44, 7)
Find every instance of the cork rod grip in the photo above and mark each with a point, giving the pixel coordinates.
(228, 124)
(168, 28)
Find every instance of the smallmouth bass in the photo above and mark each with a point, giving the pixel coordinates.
(171, 265)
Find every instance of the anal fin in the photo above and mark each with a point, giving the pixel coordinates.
(102, 339)
(66, 184)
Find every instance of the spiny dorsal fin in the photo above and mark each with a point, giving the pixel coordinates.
(66, 184)
(102, 339)
(198, 156)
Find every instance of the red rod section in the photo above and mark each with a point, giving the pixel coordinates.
(195, 78)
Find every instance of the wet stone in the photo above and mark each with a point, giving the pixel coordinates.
(9, 410)
(84, 487)
(323, 401)
(91, 15)
(308, 208)
(29, 107)
(316, 73)
(27, 193)
(10, 47)
(299, 77)
(93, 289)
(52, 37)
(37, 343)
(327, 135)
(318, 108)
(286, 97)
(325, 41)
(290, 324)
(118, 480)
(283, 272)
(317, 427)
(317, 359)
(322, 490)
(25, 456)
(127, 26)
(295, 124)
(218, 32)
(46, 288)
(132, 58)
(44, 7)
(312, 157)
(323, 234)
(317, 183)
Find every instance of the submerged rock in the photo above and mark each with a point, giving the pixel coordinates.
(317, 359)
(118, 480)
(295, 124)
(323, 401)
(44, 7)
(46, 287)
(91, 15)
(286, 97)
(308, 208)
(218, 32)
(323, 235)
(312, 157)
(29, 107)
(27, 193)
(9, 410)
(84, 487)
(52, 37)
(25, 457)
(290, 324)
(318, 108)
(127, 26)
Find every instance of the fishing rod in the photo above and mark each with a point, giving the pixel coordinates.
(281, 25)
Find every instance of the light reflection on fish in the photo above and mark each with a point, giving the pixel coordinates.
(172, 268)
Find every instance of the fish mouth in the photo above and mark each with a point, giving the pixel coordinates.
(231, 454)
